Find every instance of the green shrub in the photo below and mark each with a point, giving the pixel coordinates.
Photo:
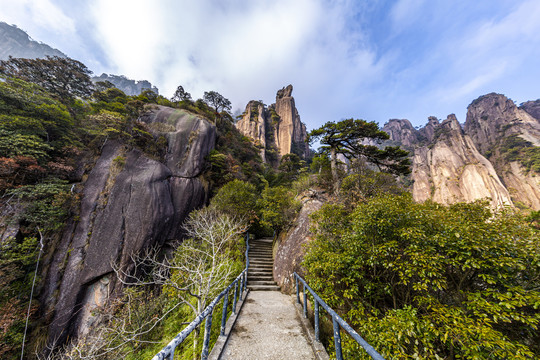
(430, 281)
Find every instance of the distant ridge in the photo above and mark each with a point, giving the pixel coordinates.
(128, 86)
(17, 43)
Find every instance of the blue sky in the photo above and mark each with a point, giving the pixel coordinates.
(371, 59)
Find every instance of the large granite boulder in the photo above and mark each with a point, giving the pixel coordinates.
(129, 202)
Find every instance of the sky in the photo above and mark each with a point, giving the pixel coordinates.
(367, 59)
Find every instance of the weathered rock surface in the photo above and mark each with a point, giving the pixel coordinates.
(253, 125)
(452, 164)
(493, 117)
(125, 208)
(289, 247)
(276, 130)
(289, 131)
(16, 43)
(491, 120)
(532, 108)
(452, 170)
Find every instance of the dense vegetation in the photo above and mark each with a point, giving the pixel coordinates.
(53, 124)
(428, 281)
(416, 280)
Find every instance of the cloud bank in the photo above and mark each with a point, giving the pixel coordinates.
(375, 59)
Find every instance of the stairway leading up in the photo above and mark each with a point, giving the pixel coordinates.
(261, 263)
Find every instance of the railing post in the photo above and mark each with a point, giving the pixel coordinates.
(207, 331)
(235, 297)
(224, 313)
(305, 302)
(241, 287)
(317, 330)
(297, 289)
(337, 339)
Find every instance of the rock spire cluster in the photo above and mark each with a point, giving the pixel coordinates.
(483, 159)
(276, 129)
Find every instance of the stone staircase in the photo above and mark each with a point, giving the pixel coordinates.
(261, 263)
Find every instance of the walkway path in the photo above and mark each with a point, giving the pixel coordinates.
(268, 328)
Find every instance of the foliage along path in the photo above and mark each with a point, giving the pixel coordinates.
(268, 326)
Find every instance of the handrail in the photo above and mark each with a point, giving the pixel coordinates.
(336, 320)
(168, 351)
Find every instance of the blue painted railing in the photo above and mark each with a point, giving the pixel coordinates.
(167, 353)
(336, 320)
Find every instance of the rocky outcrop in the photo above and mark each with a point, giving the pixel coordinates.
(532, 108)
(128, 86)
(277, 129)
(129, 202)
(402, 132)
(504, 133)
(451, 170)
(480, 160)
(290, 133)
(492, 118)
(289, 247)
(16, 43)
(253, 125)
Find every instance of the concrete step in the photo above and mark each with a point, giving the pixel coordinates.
(263, 287)
(261, 265)
(260, 278)
(262, 282)
(261, 262)
(260, 252)
(260, 273)
(264, 258)
(260, 270)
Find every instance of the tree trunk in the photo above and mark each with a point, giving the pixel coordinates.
(197, 332)
(333, 166)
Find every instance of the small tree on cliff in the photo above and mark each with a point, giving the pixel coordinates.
(348, 137)
(181, 95)
(217, 101)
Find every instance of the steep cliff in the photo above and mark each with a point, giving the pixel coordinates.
(16, 43)
(290, 132)
(253, 125)
(510, 138)
(277, 129)
(129, 202)
(450, 169)
(495, 155)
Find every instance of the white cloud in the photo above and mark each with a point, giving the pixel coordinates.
(36, 14)
(243, 49)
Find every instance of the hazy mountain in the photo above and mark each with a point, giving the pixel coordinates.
(15, 42)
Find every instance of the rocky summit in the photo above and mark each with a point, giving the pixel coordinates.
(276, 129)
(486, 158)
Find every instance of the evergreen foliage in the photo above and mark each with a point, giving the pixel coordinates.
(430, 281)
(64, 78)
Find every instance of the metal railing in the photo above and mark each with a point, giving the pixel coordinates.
(240, 283)
(336, 320)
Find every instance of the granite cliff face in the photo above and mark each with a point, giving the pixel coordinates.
(16, 43)
(127, 205)
(509, 136)
(277, 129)
(451, 169)
(452, 164)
